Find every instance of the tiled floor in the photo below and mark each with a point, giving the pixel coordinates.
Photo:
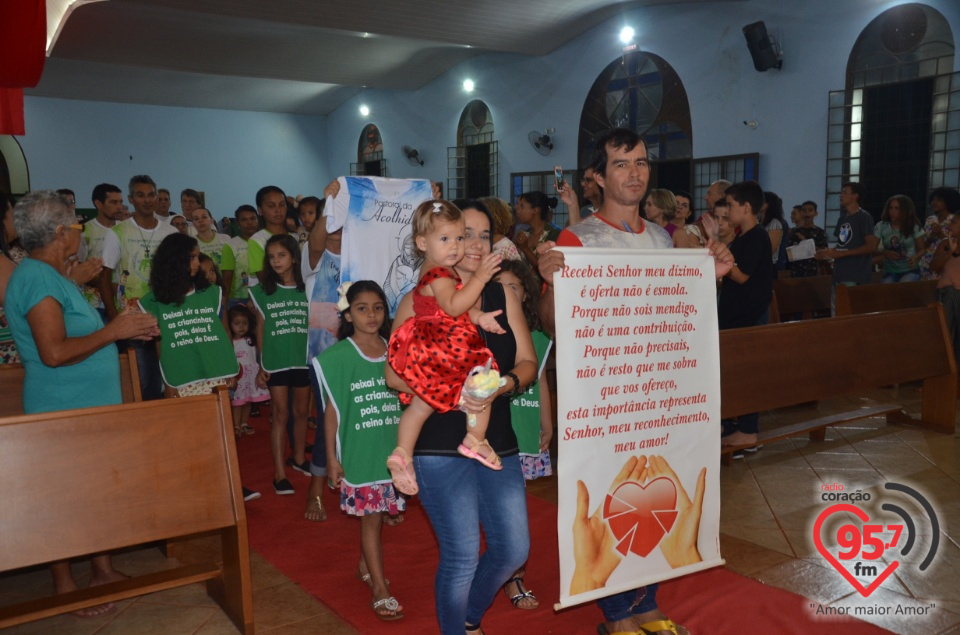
(770, 502)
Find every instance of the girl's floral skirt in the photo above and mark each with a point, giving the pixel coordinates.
(371, 499)
(536, 465)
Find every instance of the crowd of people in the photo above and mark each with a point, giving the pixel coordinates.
(259, 307)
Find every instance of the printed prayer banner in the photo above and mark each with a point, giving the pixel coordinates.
(638, 391)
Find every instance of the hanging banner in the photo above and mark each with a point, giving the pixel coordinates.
(638, 383)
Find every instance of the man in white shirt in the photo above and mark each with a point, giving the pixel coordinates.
(108, 199)
(128, 253)
(622, 169)
(236, 278)
(272, 207)
(163, 205)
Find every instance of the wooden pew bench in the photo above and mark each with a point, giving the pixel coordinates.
(775, 366)
(870, 298)
(11, 384)
(805, 297)
(119, 476)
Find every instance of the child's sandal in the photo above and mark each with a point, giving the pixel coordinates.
(491, 460)
(246, 428)
(401, 471)
(315, 510)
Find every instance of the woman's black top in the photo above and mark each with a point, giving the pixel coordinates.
(443, 432)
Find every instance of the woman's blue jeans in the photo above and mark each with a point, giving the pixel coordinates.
(906, 276)
(620, 606)
(459, 495)
(318, 458)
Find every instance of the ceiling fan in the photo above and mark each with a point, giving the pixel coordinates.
(412, 155)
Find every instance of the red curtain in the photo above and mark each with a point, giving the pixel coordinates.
(11, 111)
(23, 43)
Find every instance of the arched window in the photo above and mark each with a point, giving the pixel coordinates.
(641, 91)
(473, 165)
(370, 161)
(895, 127)
(14, 177)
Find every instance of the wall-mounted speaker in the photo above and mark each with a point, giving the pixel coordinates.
(763, 48)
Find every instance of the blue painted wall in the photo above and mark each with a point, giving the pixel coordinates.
(226, 154)
(703, 43)
(229, 154)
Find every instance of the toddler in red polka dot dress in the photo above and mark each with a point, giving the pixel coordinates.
(435, 350)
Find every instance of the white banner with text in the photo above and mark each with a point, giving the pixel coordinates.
(638, 416)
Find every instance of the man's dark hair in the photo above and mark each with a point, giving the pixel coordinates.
(268, 189)
(616, 138)
(245, 208)
(100, 192)
(747, 192)
(191, 193)
(140, 179)
(858, 189)
(814, 205)
(66, 191)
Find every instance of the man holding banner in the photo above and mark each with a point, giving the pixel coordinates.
(646, 522)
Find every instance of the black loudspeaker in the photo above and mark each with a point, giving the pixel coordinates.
(762, 47)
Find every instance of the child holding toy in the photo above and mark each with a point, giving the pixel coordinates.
(436, 350)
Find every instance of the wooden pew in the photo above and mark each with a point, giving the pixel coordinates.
(800, 296)
(124, 475)
(768, 367)
(805, 297)
(11, 384)
(869, 298)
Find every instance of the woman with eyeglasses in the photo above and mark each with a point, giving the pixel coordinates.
(684, 217)
(61, 338)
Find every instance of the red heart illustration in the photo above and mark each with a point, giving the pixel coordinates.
(641, 515)
(863, 516)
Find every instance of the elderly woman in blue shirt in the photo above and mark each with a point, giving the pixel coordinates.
(70, 358)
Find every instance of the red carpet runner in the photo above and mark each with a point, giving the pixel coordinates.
(322, 559)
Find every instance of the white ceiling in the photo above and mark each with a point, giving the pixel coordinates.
(295, 56)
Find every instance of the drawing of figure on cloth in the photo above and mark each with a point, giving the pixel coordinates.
(403, 274)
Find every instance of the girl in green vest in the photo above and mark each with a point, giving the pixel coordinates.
(281, 299)
(360, 420)
(530, 410)
(195, 352)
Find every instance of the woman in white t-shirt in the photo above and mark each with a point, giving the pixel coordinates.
(211, 243)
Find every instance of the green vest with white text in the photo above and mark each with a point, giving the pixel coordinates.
(193, 342)
(284, 326)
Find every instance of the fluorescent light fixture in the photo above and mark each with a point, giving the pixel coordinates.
(626, 34)
(468, 85)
